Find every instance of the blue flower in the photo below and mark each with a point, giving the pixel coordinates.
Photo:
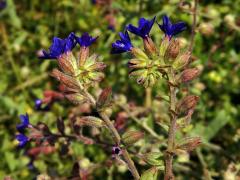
(85, 40)
(144, 27)
(122, 45)
(59, 47)
(171, 29)
(24, 122)
(3, 4)
(22, 139)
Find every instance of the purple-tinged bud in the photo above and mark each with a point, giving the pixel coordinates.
(65, 79)
(182, 60)
(83, 55)
(189, 74)
(172, 50)
(89, 121)
(131, 137)
(105, 98)
(189, 144)
(187, 103)
(67, 63)
(149, 46)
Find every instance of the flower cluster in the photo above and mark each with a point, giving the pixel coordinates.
(150, 65)
(76, 74)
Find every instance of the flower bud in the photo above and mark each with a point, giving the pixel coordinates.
(76, 98)
(137, 63)
(131, 137)
(181, 61)
(67, 63)
(105, 98)
(153, 158)
(65, 79)
(172, 50)
(187, 103)
(139, 54)
(189, 74)
(84, 53)
(89, 121)
(164, 45)
(206, 29)
(149, 46)
(189, 144)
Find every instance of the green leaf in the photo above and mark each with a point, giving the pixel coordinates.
(150, 174)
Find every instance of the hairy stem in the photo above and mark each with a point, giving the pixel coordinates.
(193, 25)
(148, 99)
(171, 135)
(116, 137)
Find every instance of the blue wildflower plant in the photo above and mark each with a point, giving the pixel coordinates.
(123, 45)
(152, 63)
(59, 47)
(170, 29)
(75, 74)
(143, 29)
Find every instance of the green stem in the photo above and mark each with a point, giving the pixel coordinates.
(171, 134)
(148, 100)
(116, 136)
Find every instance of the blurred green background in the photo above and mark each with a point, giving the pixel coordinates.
(28, 26)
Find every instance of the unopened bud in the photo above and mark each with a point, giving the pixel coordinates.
(89, 121)
(164, 45)
(97, 66)
(153, 158)
(189, 144)
(188, 103)
(172, 50)
(206, 29)
(67, 63)
(131, 137)
(149, 46)
(181, 61)
(137, 63)
(139, 54)
(189, 74)
(76, 98)
(105, 98)
(84, 53)
(65, 79)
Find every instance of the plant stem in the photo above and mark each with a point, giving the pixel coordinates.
(148, 99)
(171, 136)
(193, 25)
(116, 137)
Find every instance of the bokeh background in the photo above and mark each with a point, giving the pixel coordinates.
(27, 26)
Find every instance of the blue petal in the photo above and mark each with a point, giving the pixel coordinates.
(85, 40)
(122, 45)
(24, 122)
(59, 47)
(144, 27)
(22, 139)
(171, 29)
